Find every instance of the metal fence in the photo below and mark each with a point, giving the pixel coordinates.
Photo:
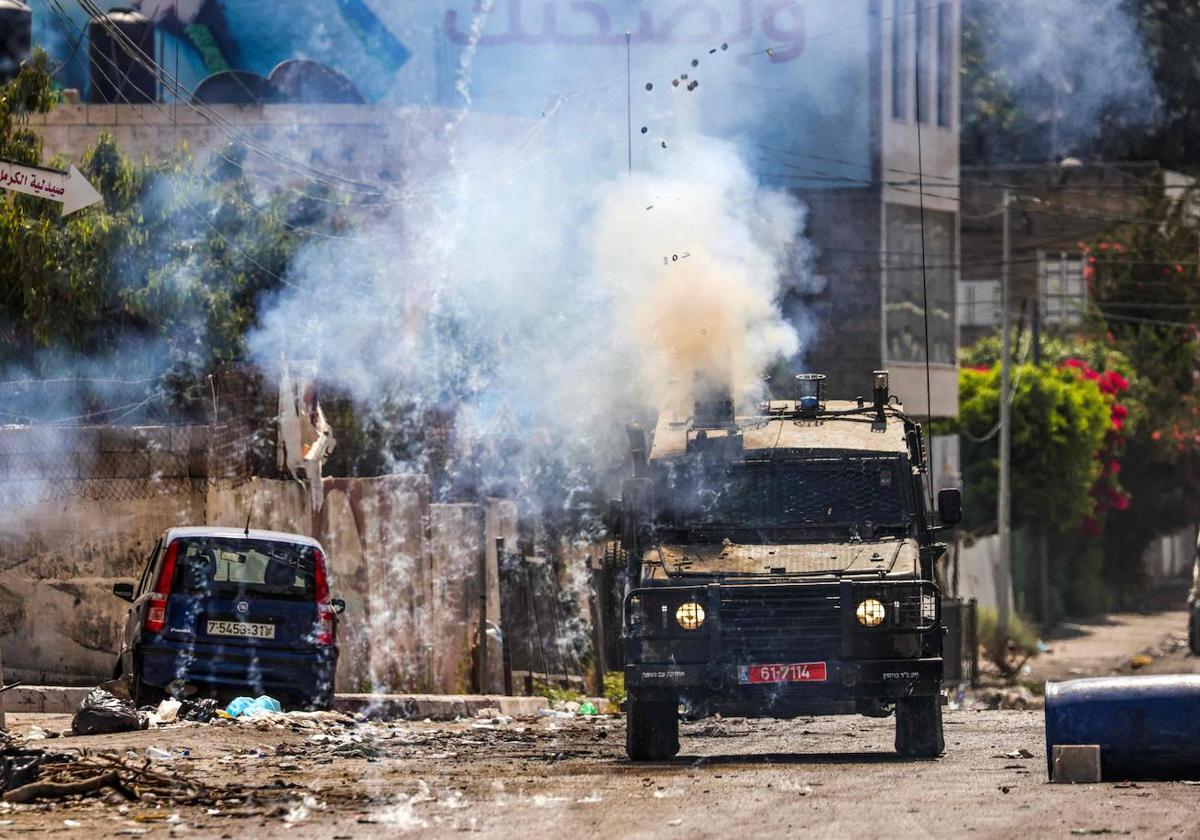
(960, 649)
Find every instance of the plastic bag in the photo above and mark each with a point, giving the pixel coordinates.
(201, 711)
(246, 706)
(168, 710)
(102, 711)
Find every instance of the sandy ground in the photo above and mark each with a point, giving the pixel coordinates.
(825, 777)
(1108, 645)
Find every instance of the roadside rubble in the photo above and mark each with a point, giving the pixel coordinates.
(1016, 697)
(263, 767)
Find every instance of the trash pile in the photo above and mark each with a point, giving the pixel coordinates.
(108, 709)
(153, 777)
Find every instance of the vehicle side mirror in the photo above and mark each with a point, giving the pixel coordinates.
(124, 591)
(339, 606)
(950, 506)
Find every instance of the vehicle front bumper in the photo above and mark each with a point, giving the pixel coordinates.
(275, 671)
(883, 678)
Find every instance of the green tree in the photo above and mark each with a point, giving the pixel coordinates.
(162, 281)
(1145, 286)
(1059, 424)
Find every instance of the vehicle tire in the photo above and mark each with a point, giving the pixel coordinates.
(651, 729)
(919, 727)
(615, 557)
(142, 694)
(1194, 631)
(319, 701)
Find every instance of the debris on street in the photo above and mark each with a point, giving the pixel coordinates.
(106, 710)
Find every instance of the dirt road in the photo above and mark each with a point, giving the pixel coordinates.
(1150, 640)
(552, 778)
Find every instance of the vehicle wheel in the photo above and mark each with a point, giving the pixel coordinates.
(919, 727)
(320, 701)
(1194, 632)
(651, 729)
(142, 694)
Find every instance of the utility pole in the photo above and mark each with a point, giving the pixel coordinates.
(1043, 558)
(1004, 499)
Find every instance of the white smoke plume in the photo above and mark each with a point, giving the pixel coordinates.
(583, 295)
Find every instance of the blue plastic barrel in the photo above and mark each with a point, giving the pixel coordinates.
(1146, 727)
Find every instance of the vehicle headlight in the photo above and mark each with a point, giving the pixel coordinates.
(870, 613)
(689, 616)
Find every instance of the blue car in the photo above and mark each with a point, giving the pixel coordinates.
(222, 612)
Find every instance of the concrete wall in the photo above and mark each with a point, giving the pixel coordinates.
(82, 508)
(408, 570)
(977, 576)
(1171, 556)
(372, 143)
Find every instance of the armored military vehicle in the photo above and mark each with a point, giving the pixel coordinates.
(782, 564)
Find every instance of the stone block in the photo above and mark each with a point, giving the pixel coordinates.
(1076, 764)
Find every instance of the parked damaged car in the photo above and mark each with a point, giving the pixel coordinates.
(222, 612)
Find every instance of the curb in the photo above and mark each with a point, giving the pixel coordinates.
(44, 699)
(58, 699)
(436, 706)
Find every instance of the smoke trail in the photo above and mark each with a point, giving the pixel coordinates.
(1070, 67)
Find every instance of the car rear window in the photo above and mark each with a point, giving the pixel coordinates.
(240, 568)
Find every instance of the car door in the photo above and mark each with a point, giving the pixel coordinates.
(135, 614)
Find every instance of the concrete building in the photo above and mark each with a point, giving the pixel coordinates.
(867, 227)
(1055, 208)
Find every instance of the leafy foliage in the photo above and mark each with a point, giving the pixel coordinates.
(1144, 282)
(161, 282)
(1059, 424)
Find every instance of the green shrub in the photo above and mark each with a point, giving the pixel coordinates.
(614, 687)
(553, 692)
(1022, 641)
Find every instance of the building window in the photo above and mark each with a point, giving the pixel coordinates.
(922, 61)
(945, 64)
(904, 304)
(1062, 290)
(979, 303)
(899, 62)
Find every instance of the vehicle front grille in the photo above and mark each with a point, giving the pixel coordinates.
(780, 624)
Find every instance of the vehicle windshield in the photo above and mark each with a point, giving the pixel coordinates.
(245, 568)
(841, 495)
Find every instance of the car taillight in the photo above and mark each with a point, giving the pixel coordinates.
(156, 614)
(323, 631)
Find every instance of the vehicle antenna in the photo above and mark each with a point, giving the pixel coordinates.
(924, 276)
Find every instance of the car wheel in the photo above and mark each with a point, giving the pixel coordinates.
(1194, 631)
(651, 729)
(919, 727)
(142, 694)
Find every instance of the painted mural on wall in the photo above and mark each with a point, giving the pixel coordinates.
(798, 73)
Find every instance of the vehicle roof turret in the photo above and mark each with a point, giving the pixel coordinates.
(781, 426)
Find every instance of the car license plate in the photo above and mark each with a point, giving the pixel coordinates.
(241, 629)
(796, 672)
